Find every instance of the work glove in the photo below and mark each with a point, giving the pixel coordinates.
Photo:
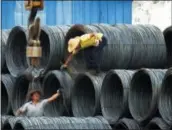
(63, 67)
(97, 43)
(60, 90)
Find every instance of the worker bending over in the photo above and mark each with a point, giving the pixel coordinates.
(36, 106)
(92, 45)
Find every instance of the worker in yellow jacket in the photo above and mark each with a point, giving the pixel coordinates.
(92, 44)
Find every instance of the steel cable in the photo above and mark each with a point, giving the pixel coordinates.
(4, 118)
(126, 124)
(4, 37)
(27, 123)
(16, 51)
(144, 93)
(61, 123)
(114, 95)
(53, 81)
(126, 44)
(40, 123)
(165, 99)
(157, 124)
(86, 95)
(7, 87)
(105, 122)
(139, 42)
(52, 42)
(3, 41)
(168, 39)
(10, 122)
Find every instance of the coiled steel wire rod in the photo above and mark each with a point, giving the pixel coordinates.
(165, 99)
(52, 43)
(4, 37)
(126, 124)
(168, 39)
(157, 124)
(16, 51)
(53, 81)
(4, 118)
(62, 123)
(144, 93)
(10, 122)
(7, 87)
(128, 46)
(114, 95)
(86, 95)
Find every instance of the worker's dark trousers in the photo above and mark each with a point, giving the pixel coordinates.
(93, 56)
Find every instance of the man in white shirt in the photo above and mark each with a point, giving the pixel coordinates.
(36, 106)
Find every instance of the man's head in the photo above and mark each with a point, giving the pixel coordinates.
(35, 95)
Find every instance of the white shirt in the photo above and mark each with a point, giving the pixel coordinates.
(31, 109)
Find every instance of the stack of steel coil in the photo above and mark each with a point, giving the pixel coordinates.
(132, 91)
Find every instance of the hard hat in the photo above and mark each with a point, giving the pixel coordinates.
(72, 44)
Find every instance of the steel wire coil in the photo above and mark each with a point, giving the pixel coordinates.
(52, 42)
(10, 122)
(7, 86)
(125, 45)
(146, 41)
(168, 39)
(165, 99)
(144, 93)
(3, 40)
(157, 124)
(114, 95)
(126, 124)
(86, 95)
(29, 123)
(16, 51)
(53, 81)
(4, 118)
(4, 37)
(61, 123)
(34, 123)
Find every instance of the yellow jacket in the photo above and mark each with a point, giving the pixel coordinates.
(86, 41)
